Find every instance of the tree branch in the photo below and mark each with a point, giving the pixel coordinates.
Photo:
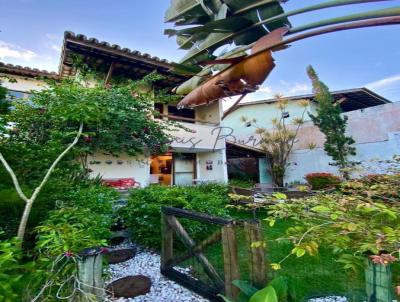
(14, 178)
(46, 178)
(31, 200)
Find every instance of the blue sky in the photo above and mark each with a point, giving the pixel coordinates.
(32, 32)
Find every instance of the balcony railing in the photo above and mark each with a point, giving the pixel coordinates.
(187, 119)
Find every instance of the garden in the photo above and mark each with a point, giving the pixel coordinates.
(326, 244)
(65, 234)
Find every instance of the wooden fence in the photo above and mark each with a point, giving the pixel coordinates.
(226, 234)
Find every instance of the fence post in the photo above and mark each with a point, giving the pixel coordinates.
(90, 271)
(257, 257)
(167, 242)
(378, 279)
(231, 265)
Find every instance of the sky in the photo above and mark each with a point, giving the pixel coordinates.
(31, 34)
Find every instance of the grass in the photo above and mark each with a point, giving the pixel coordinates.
(315, 276)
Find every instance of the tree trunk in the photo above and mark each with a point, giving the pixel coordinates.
(24, 219)
(29, 201)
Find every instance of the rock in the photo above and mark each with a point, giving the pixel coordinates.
(147, 263)
(117, 240)
(130, 287)
(118, 256)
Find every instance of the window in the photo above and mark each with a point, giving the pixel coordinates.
(187, 115)
(15, 94)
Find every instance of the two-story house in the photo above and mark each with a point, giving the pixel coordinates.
(197, 155)
(372, 121)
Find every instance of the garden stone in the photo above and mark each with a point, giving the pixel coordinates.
(130, 287)
(118, 256)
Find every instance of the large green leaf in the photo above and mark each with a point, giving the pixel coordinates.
(181, 7)
(274, 9)
(245, 287)
(388, 12)
(267, 294)
(224, 38)
(186, 10)
(281, 286)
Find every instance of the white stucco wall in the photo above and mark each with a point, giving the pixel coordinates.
(137, 167)
(376, 131)
(219, 168)
(263, 113)
(23, 84)
(210, 113)
(197, 138)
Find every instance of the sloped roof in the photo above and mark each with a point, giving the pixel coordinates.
(357, 98)
(132, 63)
(26, 71)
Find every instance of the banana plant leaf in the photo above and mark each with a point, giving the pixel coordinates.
(249, 12)
(226, 37)
(204, 74)
(188, 9)
(388, 12)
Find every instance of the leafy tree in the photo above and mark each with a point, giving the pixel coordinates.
(278, 142)
(332, 123)
(3, 101)
(48, 128)
(3, 105)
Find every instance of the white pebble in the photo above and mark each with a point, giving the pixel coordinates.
(162, 289)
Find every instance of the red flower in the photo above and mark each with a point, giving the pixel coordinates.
(383, 259)
(68, 254)
(104, 250)
(88, 139)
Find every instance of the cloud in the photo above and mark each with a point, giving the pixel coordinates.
(385, 83)
(53, 42)
(12, 51)
(299, 88)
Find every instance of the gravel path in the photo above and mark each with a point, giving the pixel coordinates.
(162, 290)
(329, 299)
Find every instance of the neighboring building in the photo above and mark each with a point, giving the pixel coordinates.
(197, 155)
(373, 122)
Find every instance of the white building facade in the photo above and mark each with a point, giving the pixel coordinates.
(196, 156)
(373, 122)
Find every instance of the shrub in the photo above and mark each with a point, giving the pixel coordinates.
(83, 220)
(319, 181)
(242, 183)
(11, 272)
(143, 211)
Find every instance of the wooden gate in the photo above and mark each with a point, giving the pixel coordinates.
(217, 283)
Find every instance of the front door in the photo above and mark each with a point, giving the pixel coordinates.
(184, 168)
